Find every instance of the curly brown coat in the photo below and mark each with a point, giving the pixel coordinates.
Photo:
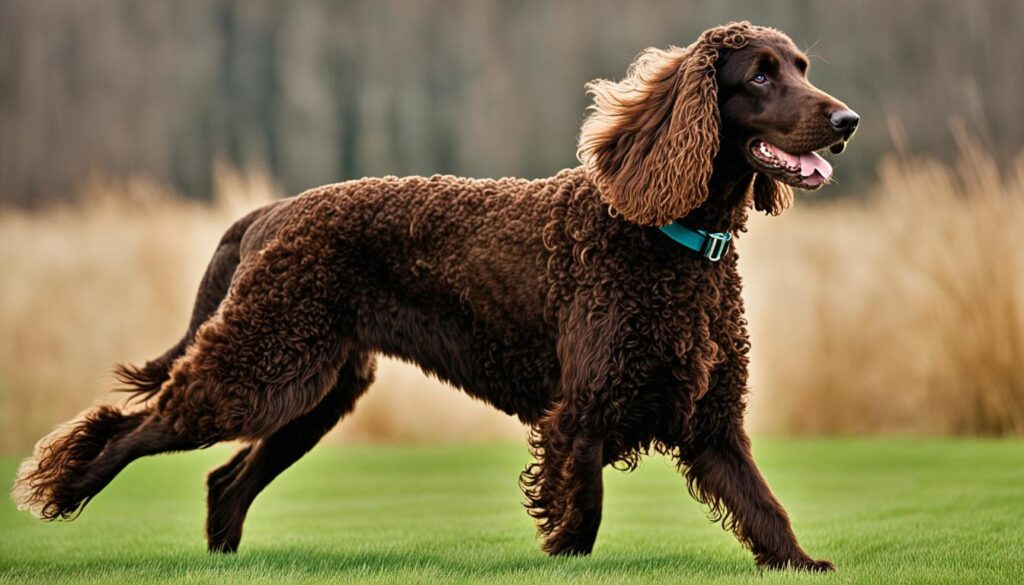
(555, 300)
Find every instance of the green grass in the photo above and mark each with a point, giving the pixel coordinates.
(883, 510)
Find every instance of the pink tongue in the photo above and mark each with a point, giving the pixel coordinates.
(812, 162)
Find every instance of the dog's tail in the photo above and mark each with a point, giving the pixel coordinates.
(52, 483)
(142, 382)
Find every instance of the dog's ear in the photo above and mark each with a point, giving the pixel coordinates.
(650, 139)
(771, 196)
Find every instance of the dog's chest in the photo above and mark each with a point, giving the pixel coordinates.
(692, 323)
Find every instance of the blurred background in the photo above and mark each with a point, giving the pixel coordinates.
(133, 133)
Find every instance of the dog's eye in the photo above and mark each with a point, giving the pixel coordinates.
(760, 78)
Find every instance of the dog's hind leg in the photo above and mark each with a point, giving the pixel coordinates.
(232, 488)
(79, 459)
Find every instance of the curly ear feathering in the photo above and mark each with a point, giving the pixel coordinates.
(651, 139)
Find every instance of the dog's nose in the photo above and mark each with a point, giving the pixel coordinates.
(845, 122)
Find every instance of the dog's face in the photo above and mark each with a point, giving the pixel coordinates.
(737, 99)
(773, 115)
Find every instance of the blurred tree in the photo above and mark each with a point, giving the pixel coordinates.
(323, 90)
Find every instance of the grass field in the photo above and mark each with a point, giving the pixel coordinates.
(906, 510)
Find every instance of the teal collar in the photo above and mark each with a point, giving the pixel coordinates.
(712, 245)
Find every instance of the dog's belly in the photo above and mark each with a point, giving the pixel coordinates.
(515, 377)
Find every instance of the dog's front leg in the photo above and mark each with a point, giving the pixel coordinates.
(563, 486)
(722, 474)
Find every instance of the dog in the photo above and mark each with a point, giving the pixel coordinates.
(601, 306)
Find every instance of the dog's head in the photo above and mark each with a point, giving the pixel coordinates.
(741, 91)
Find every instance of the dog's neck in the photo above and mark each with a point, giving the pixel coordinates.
(726, 206)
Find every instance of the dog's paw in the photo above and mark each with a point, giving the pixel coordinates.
(800, 563)
(816, 566)
(560, 545)
(568, 549)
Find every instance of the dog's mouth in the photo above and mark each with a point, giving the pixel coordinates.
(805, 171)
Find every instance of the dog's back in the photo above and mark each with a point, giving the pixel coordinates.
(433, 267)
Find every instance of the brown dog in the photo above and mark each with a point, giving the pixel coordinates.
(557, 300)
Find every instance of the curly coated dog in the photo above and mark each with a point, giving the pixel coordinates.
(600, 306)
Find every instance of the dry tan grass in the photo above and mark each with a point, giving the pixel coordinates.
(904, 313)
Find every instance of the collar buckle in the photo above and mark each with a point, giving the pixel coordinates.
(711, 245)
(716, 245)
